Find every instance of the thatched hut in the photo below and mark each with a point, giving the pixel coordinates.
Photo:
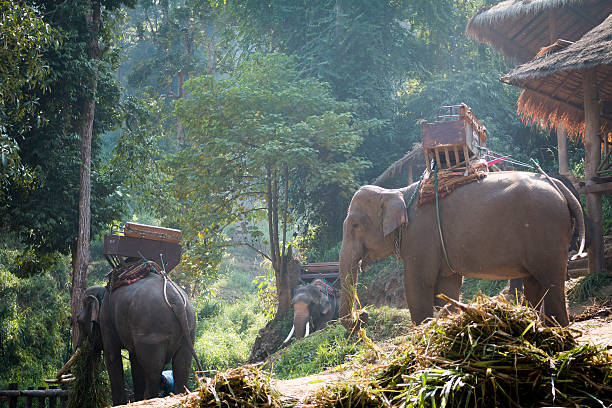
(518, 29)
(553, 82)
(406, 165)
(571, 87)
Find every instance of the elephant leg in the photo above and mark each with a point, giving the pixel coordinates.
(419, 296)
(450, 286)
(152, 361)
(181, 364)
(534, 292)
(554, 304)
(137, 378)
(114, 366)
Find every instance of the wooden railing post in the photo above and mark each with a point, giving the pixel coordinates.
(53, 399)
(64, 398)
(41, 399)
(13, 399)
(28, 402)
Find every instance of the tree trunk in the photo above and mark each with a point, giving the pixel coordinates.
(562, 147)
(81, 261)
(592, 146)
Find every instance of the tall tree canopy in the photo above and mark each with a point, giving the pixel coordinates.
(247, 137)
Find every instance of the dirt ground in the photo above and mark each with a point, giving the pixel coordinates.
(596, 329)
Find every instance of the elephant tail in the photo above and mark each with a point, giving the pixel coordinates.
(180, 311)
(576, 212)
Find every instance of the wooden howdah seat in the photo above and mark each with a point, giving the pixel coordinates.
(454, 139)
(134, 241)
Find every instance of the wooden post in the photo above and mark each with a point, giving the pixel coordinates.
(28, 402)
(562, 148)
(410, 176)
(592, 146)
(41, 399)
(53, 399)
(12, 403)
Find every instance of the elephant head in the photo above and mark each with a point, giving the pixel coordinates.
(316, 302)
(88, 318)
(373, 214)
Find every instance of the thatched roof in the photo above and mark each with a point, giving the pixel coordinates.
(414, 157)
(518, 29)
(553, 93)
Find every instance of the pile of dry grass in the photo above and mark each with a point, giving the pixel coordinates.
(245, 386)
(491, 353)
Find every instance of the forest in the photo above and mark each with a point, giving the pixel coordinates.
(246, 124)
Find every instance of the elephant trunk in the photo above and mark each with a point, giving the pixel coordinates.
(301, 316)
(349, 270)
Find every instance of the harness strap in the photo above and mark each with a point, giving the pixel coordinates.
(439, 224)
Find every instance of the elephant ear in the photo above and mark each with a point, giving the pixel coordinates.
(393, 211)
(95, 308)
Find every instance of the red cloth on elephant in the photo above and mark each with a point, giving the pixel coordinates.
(132, 273)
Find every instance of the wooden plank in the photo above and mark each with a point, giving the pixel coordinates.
(605, 188)
(135, 230)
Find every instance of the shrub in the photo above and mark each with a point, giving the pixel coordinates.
(224, 338)
(34, 332)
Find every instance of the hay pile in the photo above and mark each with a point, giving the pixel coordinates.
(245, 386)
(91, 386)
(491, 353)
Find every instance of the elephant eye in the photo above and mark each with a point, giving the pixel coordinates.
(355, 225)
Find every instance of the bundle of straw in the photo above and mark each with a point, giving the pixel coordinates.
(245, 386)
(91, 386)
(491, 353)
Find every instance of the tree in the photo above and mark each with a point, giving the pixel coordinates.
(246, 136)
(24, 37)
(364, 50)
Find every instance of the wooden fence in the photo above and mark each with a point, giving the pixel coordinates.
(52, 397)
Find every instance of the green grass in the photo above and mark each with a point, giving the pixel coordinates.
(588, 287)
(323, 349)
(226, 332)
(471, 287)
(333, 346)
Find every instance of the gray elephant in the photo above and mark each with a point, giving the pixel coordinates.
(138, 318)
(316, 301)
(508, 225)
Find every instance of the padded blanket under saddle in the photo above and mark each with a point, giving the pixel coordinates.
(130, 273)
(449, 180)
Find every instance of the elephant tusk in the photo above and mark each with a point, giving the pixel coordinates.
(307, 329)
(290, 334)
(69, 363)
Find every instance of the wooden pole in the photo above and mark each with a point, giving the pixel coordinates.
(592, 146)
(562, 148)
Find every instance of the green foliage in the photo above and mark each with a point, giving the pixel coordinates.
(24, 37)
(387, 323)
(326, 348)
(472, 286)
(588, 287)
(227, 331)
(245, 139)
(33, 323)
(91, 387)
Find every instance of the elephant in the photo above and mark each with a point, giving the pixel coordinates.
(317, 301)
(514, 287)
(136, 317)
(505, 226)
